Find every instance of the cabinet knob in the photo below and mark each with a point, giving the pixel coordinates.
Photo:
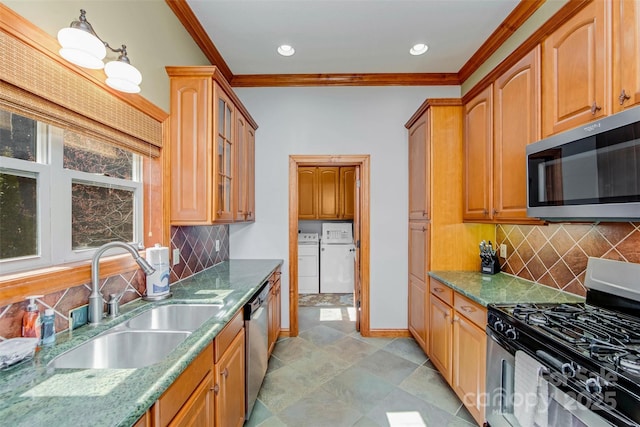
(467, 308)
(424, 213)
(424, 228)
(215, 388)
(485, 212)
(595, 108)
(623, 97)
(438, 290)
(455, 319)
(225, 373)
(495, 212)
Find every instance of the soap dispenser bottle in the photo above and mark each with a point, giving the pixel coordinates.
(31, 324)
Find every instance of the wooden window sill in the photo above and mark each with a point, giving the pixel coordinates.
(16, 286)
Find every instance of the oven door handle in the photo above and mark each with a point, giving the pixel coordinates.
(566, 368)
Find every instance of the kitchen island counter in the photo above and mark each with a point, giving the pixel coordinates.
(501, 288)
(33, 393)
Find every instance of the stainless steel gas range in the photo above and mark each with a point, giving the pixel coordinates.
(569, 364)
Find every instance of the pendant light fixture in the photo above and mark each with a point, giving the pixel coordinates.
(82, 46)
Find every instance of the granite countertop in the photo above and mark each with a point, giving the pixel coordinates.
(34, 394)
(501, 288)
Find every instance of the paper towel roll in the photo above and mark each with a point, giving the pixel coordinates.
(158, 282)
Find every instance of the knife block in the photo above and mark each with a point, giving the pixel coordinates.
(490, 264)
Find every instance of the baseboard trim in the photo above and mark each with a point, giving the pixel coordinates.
(284, 333)
(389, 333)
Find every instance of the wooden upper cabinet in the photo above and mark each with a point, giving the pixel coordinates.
(516, 124)
(626, 61)
(224, 164)
(575, 60)
(307, 192)
(206, 122)
(478, 142)
(418, 169)
(191, 149)
(347, 192)
(328, 192)
(244, 181)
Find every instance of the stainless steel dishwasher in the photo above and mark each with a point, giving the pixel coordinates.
(256, 323)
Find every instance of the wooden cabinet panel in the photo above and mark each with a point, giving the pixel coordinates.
(418, 168)
(328, 192)
(478, 141)
(347, 192)
(626, 61)
(198, 411)
(440, 331)
(224, 159)
(470, 309)
(143, 421)
(517, 123)
(575, 70)
(251, 174)
(418, 250)
(229, 383)
(182, 389)
(469, 365)
(274, 305)
(244, 181)
(443, 292)
(307, 193)
(190, 148)
(418, 312)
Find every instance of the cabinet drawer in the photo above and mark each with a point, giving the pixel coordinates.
(179, 392)
(224, 338)
(443, 292)
(471, 310)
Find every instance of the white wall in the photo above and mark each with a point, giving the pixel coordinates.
(336, 120)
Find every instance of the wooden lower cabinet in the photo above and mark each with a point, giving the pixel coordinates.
(469, 365)
(198, 410)
(440, 336)
(178, 405)
(458, 345)
(418, 312)
(274, 305)
(229, 385)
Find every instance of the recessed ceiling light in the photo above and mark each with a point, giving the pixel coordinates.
(286, 50)
(418, 49)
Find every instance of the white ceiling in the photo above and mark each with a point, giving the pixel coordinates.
(349, 36)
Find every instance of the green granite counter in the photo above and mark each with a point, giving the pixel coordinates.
(501, 288)
(33, 394)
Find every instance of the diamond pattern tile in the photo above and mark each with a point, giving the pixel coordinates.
(556, 254)
(197, 246)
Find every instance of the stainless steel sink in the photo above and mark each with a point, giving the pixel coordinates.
(121, 349)
(178, 317)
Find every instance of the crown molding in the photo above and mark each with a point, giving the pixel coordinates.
(190, 22)
(346, 79)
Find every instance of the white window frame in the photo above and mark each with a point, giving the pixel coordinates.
(54, 186)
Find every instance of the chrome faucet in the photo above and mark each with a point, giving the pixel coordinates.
(96, 302)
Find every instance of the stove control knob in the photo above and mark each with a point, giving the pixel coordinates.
(499, 325)
(511, 334)
(593, 385)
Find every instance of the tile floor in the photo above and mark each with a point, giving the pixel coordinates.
(330, 376)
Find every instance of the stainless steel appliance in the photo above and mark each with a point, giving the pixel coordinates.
(591, 172)
(587, 355)
(256, 325)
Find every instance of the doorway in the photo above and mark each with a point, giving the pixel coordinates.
(361, 234)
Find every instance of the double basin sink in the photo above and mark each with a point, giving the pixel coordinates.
(141, 341)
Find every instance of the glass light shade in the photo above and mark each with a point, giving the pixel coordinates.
(123, 77)
(81, 48)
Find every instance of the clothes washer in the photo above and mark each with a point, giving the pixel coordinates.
(308, 263)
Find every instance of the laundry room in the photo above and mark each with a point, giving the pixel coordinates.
(326, 245)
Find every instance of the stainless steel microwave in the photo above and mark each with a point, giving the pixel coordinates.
(587, 173)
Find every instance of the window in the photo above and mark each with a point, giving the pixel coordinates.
(62, 194)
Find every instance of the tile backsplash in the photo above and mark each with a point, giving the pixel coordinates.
(556, 254)
(197, 252)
